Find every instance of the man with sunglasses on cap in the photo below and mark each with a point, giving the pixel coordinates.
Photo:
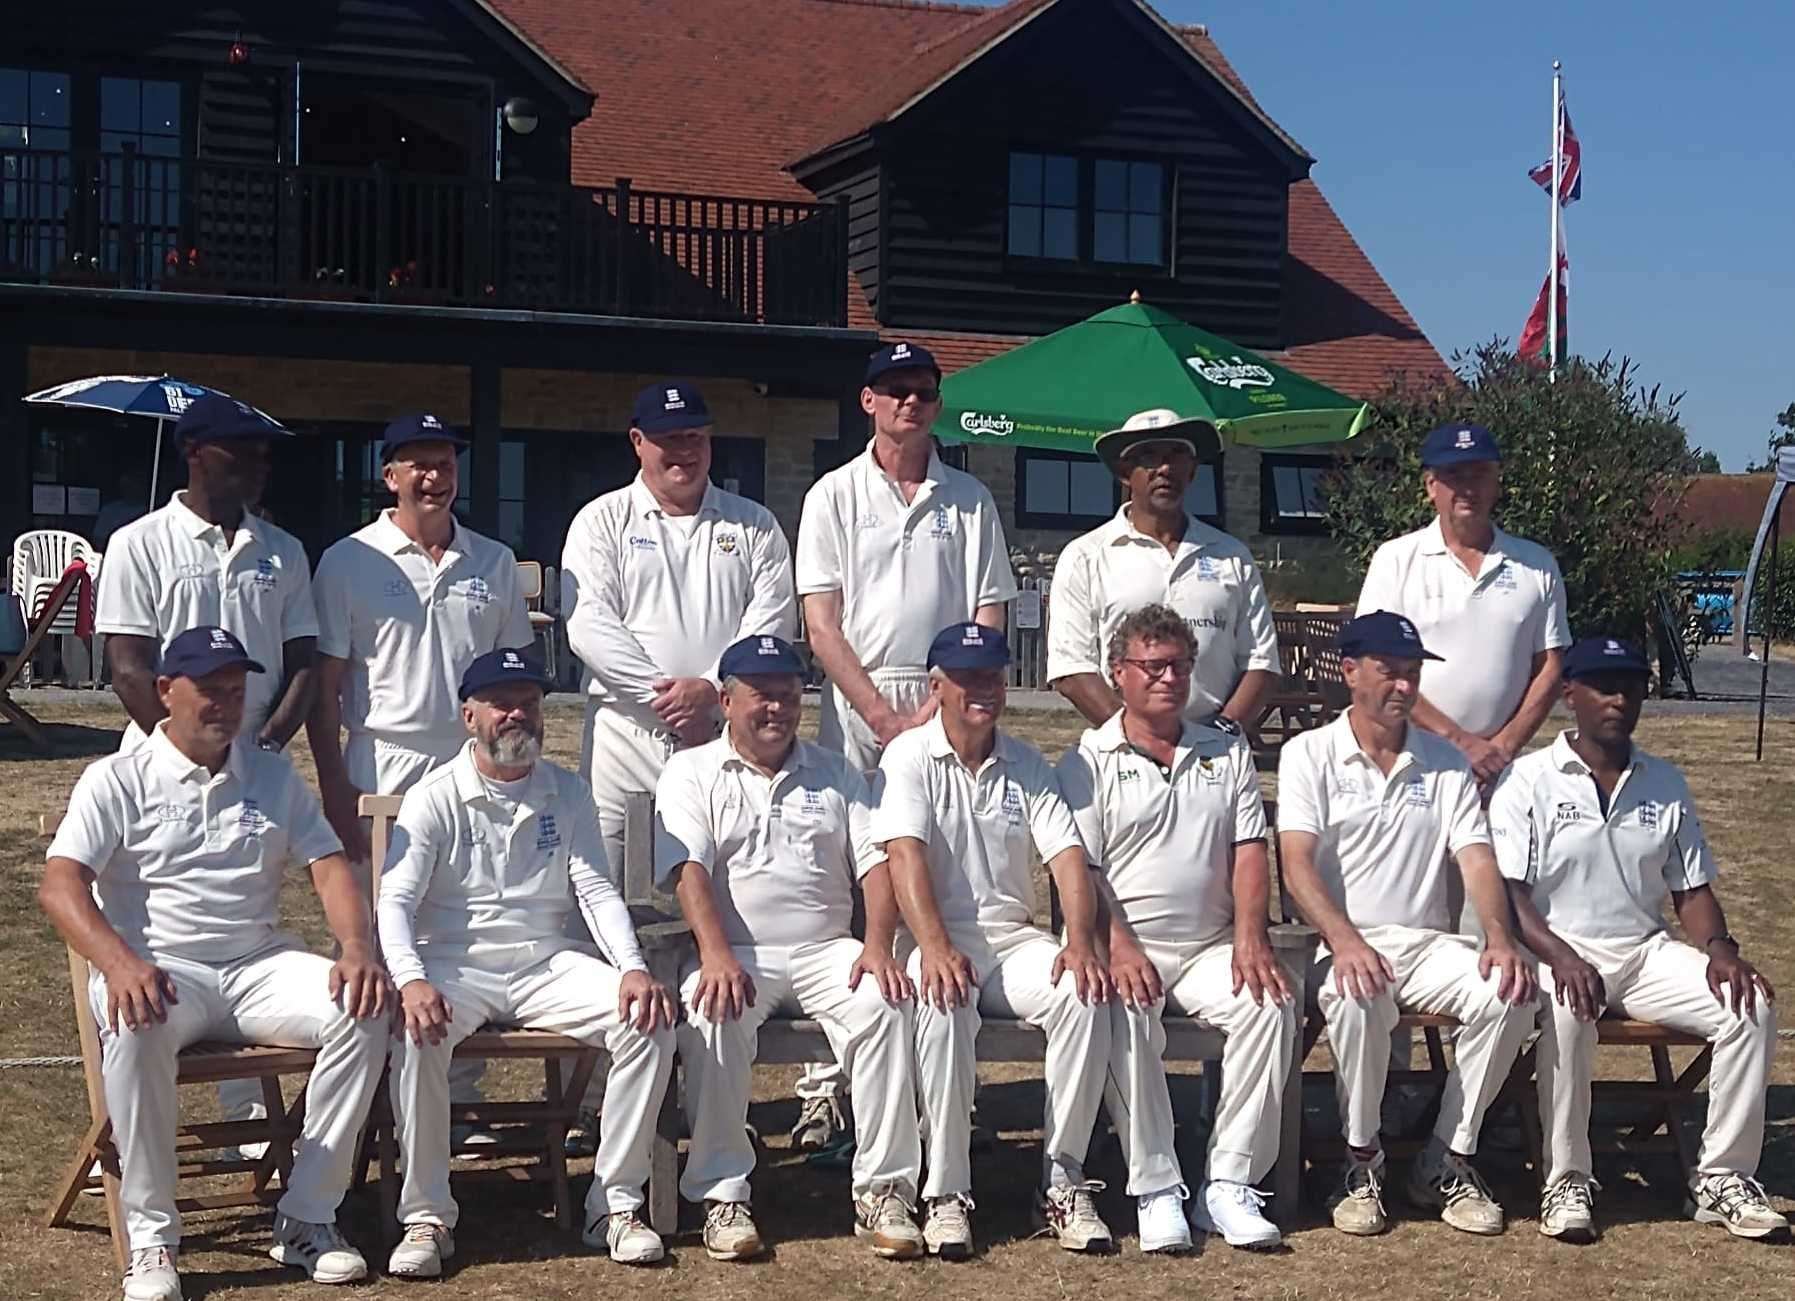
(1594, 835)
(1491, 603)
(1154, 552)
(165, 874)
(490, 853)
(963, 811)
(891, 546)
(763, 836)
(1371, 810)
(206, 558)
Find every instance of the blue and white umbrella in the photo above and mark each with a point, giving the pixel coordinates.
(161, 398)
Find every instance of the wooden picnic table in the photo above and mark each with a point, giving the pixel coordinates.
(1312, 692)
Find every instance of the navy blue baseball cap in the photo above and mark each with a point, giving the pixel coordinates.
(419, 427)
(498, 667)
(901, 356)
(1458, 445)
(1382, 633)
(968, 646)
(760, 655)
(1591, 656)
(203, 650)
(217, 417)
(668, 407)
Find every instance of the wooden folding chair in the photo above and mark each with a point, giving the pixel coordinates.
(532, 1129)
(14, 665)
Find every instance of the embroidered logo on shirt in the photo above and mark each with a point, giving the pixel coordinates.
(548, 835)
(1128, 775)
(812, 804)
(1208, 570)
(942, 525)
(1415, 793)
(186, 573)
(1567, 812)
(867, 522)
(726, 544)
(477, 592)
(641, 543)
(170, 813)
(397, 587)
(1648, 814)
(1012, 805)
(265, 577)
(250, 818)
(1505, 579)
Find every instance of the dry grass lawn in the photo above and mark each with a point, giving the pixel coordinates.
(510, 1247)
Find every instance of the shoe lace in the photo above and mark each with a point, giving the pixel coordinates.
(320, 1237)
(1459, 1180)
(145, 1259)
(422, 1233)
(1574, 1193)
(891, 1210)
(950, 1212)
(1736, 1193)
(1078, 1202)
(726, 1215)
(1247, 1197)
(819, 1111)
(1364, 1180)
(625, 1222)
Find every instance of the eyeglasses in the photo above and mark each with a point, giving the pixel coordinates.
(903, 392)
(1157, 669)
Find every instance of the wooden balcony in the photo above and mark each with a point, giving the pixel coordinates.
(146, 222)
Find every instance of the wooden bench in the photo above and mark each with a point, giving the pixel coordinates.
(787, 1041)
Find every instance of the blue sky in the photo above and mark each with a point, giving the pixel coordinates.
(1424, 118)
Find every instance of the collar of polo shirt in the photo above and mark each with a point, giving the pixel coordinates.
(199, 527)
(471, 787)
(1197, 533)
(1346, 745)
(942, 748)
(1565, 759)
(800, 757)
(934, 474)
(394, 539)
(170, 756)
(643, 503)
(1434, 543)
(1111, 736)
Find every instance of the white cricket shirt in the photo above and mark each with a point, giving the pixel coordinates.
(1164, 843)
(171, 571)
(1211, 580)
(1385, 840)
(905, 570)
(656, 596)
(979, 828)
(1487, 626)
(409, 627)
(1600, 876)
(187, 863)
(473, 874)
(783, 852)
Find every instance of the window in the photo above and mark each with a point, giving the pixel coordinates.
(1204, 496)
(140, 144)
(1074, 490)
(35, 188)
(1102, 210)
(1291, 496)
(34, 109)
(143, 114)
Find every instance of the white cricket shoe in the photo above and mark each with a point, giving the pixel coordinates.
(320, 1250)
(1737, 1202)
(1160, 1218)
(1358, 1208)
(1070, 1214)
(947, 1229)
(151, 1275)
(626, 1237)
(1567, 1209)
(421, 1252)
(884, 1217)
(1443, 1180)
(1235, 1212)
(729, 1232)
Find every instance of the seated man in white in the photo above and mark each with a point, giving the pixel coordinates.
(1593, 835)
(1174, 823)
(490, 853)
(1371, 809)
(165, 875)
(763, 836)
(961, 807)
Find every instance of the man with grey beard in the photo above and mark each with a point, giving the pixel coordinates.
(490, 853)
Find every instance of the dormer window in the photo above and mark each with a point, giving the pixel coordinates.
(1110, 211)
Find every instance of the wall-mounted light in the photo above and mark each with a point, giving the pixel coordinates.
(238, 55)
(520, 114)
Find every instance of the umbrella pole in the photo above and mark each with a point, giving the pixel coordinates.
(1769, 627)
(156, 465)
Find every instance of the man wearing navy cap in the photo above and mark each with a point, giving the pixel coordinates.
(1593, 834)
(207, 559)
(963, 813)
(763, 837)
(165, 874)
(491, 851)
(1370, 812)
(891, 546)
(1491, 603)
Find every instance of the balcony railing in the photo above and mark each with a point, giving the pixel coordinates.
(140, 221)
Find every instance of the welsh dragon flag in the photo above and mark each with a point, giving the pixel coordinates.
(1533, 344)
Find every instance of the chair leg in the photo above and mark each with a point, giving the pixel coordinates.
(387, 1142)
(1672, 1107)
(663, 1176)
(1287, 1174)
(555, 1145)
(75, 1175)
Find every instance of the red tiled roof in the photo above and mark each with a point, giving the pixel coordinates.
(1731, 503)
(720, 96)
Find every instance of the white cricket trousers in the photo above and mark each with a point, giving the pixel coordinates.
(843, 730)
(1261, 1039)
(1665, 982)
(1014, 967)
(542, 986)
(1435, 973)
(619, 756)
(870, 1038)
(281, 997)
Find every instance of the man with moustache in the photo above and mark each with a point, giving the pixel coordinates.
(490, 853)
(1593, 834)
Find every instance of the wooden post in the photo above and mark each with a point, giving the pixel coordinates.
(1294, 946)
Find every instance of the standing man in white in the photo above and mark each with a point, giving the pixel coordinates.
(165, 874)
(763, 837)
(891, 547)
(206, 558)
(491, 851)
(1370, 812)
(1594, 835)
(1174, 824)
(963, 812)
(1492, 604)
(1154, 552)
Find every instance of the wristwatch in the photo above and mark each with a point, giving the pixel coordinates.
(269, 744)
(1725, 937)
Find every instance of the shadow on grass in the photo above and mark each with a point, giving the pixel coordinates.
(67, 741)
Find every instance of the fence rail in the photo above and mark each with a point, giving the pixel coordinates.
(141, 221)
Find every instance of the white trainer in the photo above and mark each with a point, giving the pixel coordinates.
(1160, 1218)
(626, 1237)
(151, 1275)
(883, 1217)
(1567, 1209)
(729, 1232)
(947, 1229)
(1444, 1181)
(421, 1252)
(319, 1249)
(1235, 1212)
(1070, 1214)
(1737, 1202)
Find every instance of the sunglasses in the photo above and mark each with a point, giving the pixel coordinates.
(904, 392)
(1157, 669)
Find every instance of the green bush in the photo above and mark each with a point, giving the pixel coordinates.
(1593, 467)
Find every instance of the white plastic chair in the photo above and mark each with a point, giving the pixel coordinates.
(39, 559)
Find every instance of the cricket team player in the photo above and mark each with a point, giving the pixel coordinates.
(1173, 822)
(891, 547)
(763, 837)
(1371, 812)
(491, 851)
(963, 810)
(1154, 552)
(1593, 834)
(165, 874)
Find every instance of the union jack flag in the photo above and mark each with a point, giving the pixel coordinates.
(1570, 177)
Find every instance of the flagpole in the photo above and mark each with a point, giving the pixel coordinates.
(1552, 253)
